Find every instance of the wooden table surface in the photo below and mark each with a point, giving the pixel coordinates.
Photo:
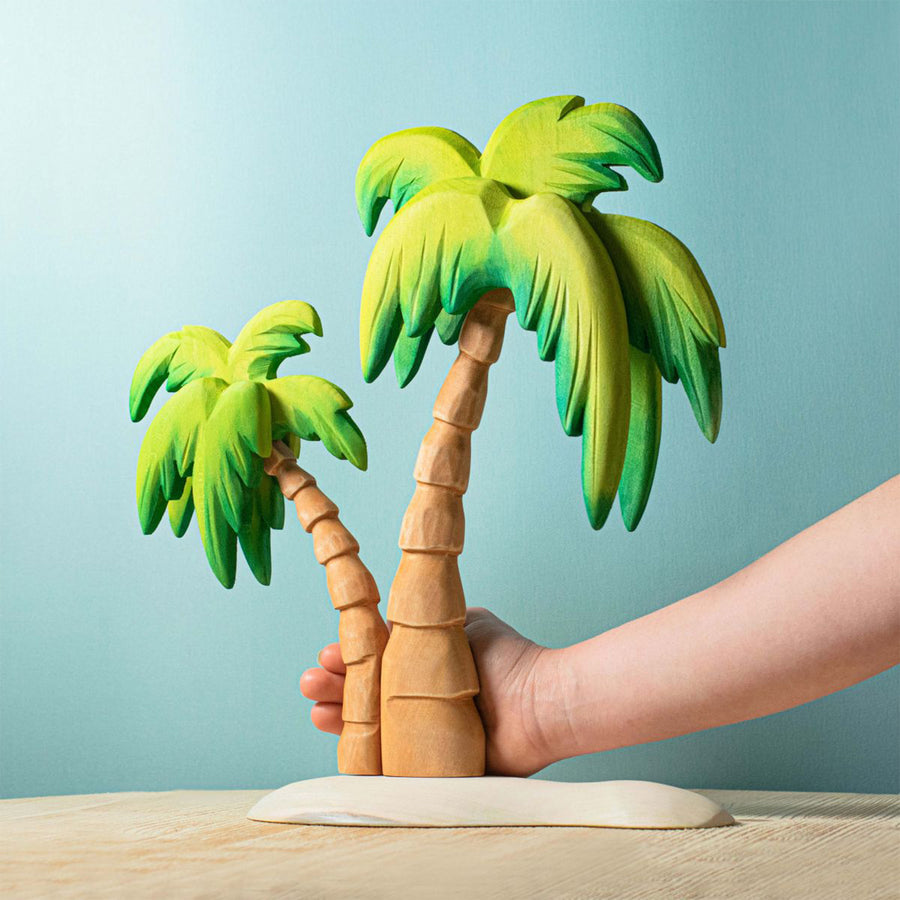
(199, 844)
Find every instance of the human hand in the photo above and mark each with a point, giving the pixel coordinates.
(514, 676)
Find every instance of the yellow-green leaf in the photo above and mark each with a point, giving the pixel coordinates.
(181, 357)
(558, 144)
(644, 429)
(169, 447)
(400, 165)
(270, 337)
(316, 410)
(673, 313)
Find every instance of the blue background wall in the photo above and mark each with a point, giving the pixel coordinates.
(170, 163)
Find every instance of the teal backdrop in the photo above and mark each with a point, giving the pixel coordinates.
(181, 163)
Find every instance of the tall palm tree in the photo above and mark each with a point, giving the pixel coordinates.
(225, 445)
(616, 302)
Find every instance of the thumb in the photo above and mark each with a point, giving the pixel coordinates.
(482, 624)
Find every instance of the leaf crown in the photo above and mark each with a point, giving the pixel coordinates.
(205, 448)
(617, 303)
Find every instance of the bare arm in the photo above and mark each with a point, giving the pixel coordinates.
(816, 614)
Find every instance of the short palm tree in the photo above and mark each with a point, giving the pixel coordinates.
(226, 443)
(616, 302)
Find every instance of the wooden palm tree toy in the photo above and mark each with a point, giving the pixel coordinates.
(618, 303)
(226, 444)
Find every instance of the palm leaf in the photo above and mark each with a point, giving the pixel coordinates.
(270, 337)
(314, 409)
(219, 540)
(644, 429)
(409, 352)
(448, 326)
(437, 251)
(227, 471)
(271, 502)
(182, 509)
(181, 357)
(408, 355)
(255, 539)
(672, 311)
(565, 289)
(169, 448)
(400, 165)
(558, 144)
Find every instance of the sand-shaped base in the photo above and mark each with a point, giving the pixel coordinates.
(471, 802)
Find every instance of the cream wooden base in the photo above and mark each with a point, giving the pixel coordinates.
(490, 801)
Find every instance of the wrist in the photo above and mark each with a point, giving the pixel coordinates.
(553, 733)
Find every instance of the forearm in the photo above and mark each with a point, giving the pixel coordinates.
(817, 614)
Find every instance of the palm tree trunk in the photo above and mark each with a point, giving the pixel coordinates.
(429, 724)
(354, 594)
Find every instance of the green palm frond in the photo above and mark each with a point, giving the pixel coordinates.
(271, 502)
(437, 250)
(644, 429)
(255, 538)
(460, 238)
(182, 510)
(228, 467)
(558, 144)
(448, 326)
(178, 358)
(270, 337)
(408, 355)
(672, 311)
(400, 165)
(314, 409)
(565, 289)
(169, 447)
(409, 352)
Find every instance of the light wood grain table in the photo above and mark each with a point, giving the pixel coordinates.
(199, 844)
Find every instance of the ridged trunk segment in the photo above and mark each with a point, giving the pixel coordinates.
(434, 521)
(444, 457)
(362, 632)
(432, 738)
(429, 724)
(427, 591)
(437, 656)
(460, 401)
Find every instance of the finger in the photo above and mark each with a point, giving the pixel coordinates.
(330, 658)
(327, 717)
(322, 685)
